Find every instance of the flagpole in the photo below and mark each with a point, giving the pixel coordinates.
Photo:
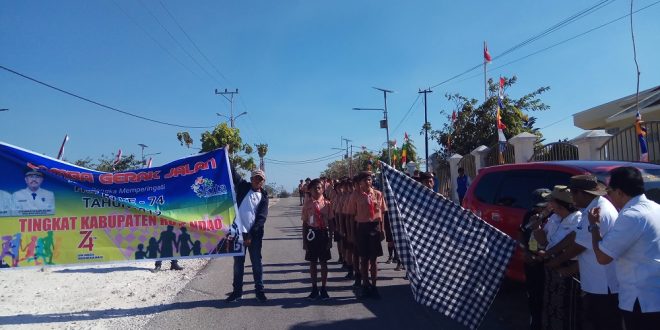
(485, 82)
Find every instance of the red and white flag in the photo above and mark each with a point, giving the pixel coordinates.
(61, 153)
(487, 57)
(149, 162)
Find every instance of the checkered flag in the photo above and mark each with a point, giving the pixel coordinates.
(455, 260)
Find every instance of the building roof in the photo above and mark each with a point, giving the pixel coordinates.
(620, 113)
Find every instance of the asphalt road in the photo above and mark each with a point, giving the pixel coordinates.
(286, 277)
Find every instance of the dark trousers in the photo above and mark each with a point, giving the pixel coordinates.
(534, 284)
(160, 263)
(257, 268)
(640, 321)
(603, 311)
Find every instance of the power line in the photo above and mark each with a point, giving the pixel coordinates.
(97, 103)
(193, 42)
(564, 41)
(547, 31)
(405, 117)
(313, 160)
(155, 40)
(177, 41)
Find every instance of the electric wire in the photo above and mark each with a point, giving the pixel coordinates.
(177, 41)
(405, 117)
(306, 161)
(553, 28)
(563, 41)
(98, 103)
(194, 43)
(156, 41)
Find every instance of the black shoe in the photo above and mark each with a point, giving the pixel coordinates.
(374, 293)
(156, 268)
(399, 266)
(364, 292)
(261, 296)
(234, 297)
(314, 294)
(175, 266)
(389, 260)
(349, 276)
(324, 294)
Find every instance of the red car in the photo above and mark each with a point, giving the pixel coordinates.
(501, 195)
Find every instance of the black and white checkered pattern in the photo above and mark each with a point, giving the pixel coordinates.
(455, 260)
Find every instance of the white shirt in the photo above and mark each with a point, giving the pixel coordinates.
(5, 204)
(594, 277)
(248, 209)
(634, 243)
(556, 228)
(40, 202)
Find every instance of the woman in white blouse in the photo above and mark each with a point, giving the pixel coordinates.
(562, 293)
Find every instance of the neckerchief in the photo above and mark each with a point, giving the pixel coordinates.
(317, 214)
(372, 209)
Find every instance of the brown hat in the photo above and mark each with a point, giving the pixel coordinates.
(362, 176)
(561, 193)
(258, 173)
(589, 184)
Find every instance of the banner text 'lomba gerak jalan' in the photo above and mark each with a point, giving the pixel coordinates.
(55, 213)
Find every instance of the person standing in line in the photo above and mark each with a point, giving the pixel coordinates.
(367, 205)
(317, 217)
(462, 184)
(633, 244)
(301, 185)
(252, 201)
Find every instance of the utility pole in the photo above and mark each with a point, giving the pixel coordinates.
(426, 129)
(229, 98)
(350, 174)
(387, 125)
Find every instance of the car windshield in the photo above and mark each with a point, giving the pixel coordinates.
(651, 182)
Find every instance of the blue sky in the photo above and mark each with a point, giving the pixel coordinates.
(300, 66)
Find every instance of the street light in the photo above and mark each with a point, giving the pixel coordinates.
(383, 123)
(143, 146)
(231, 117)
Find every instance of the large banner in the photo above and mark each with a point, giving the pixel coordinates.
(55, 213)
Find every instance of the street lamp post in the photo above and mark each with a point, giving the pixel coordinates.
(143, 146)
(387, 124)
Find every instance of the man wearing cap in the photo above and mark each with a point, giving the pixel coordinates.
(252, 201)
(34, 200)
(633, 243)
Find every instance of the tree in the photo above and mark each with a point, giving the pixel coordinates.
(221, 136)
(475, 123)
(361, 161)
(107, 163)
(262, 150)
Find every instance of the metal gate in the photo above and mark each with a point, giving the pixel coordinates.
(443, 175)
(493, 158)
(624, 145)
(468, 163)
(555, 151)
